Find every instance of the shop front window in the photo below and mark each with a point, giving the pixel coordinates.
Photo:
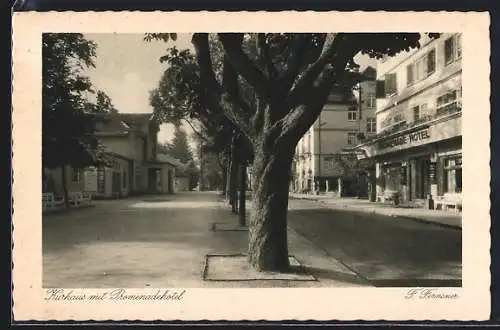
(392, 177)
(100, 179)
(76, 176)
(453, 175)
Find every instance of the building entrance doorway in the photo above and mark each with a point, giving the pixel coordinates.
(152, 179)
(420, 178)
(116, 184)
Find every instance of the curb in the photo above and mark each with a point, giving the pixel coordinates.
(71, 209)
(359, 275)
(345, 207)
(440, 224)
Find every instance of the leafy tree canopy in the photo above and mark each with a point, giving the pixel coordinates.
(67, 120)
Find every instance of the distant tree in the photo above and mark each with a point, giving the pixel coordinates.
(67, 122)
(179, 149)
(103, 104)
(179, 98)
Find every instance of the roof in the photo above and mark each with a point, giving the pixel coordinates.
(121, 123)
(136, 119)
(168, 159)
(370, 72)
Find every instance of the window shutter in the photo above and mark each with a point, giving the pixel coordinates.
(380, 89)
(431, 61)
(459, 45)
(448, 50)
(390, 84)
(387, 85)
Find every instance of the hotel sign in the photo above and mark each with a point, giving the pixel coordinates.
(408, 138)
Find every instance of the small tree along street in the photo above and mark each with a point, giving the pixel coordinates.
(177, 99)
(272, 89)
(67, 115)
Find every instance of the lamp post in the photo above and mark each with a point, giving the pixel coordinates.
(320, 161)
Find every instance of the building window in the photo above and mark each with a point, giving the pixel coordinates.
(409, 74)
(352, 115)
(328, 162)
(391, 86)
(453, 175)
(145, 149)
(371, 125)
(351, 138)
(452, 48)
(419, 112)
(416, 113)
(447, 103)
(124, 176)
(422, 68)
(371, 100)
(431, 62)
(76, 176)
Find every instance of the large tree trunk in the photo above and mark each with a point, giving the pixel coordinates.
(268, 246)
(243, 195)
(65, 187)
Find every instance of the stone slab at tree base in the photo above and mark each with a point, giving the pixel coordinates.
(227, 226)
(235, 267)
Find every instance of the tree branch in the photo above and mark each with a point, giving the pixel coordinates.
(231, 86)
(232, 42)
(296, 61)
(214, 95)
(197, 132)
(330, 48)
(297, 122)
(265, 57)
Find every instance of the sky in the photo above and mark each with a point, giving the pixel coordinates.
(127, 68)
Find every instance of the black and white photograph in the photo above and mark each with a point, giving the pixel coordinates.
(173, 161)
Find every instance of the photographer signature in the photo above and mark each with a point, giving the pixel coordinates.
(431, 293)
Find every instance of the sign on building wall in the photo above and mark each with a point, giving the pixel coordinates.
(436, 132)
(409, 138)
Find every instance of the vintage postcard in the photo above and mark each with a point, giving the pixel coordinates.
(251, 166)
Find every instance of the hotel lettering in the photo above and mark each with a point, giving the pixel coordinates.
(405, 139)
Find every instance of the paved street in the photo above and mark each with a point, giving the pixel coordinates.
(387, 251)
(161, 241)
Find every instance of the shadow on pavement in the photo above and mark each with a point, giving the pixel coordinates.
(385, 250)
(330, 274)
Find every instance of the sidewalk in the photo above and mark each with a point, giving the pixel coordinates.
(438, 217)
(162, 242)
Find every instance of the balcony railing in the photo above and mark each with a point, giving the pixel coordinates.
(439, 113)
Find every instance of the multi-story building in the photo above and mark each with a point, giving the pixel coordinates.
(347, 118)
(135, 167)
(418, 145)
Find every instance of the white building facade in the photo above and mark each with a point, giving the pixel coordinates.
(418, 145)
(347, 118)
